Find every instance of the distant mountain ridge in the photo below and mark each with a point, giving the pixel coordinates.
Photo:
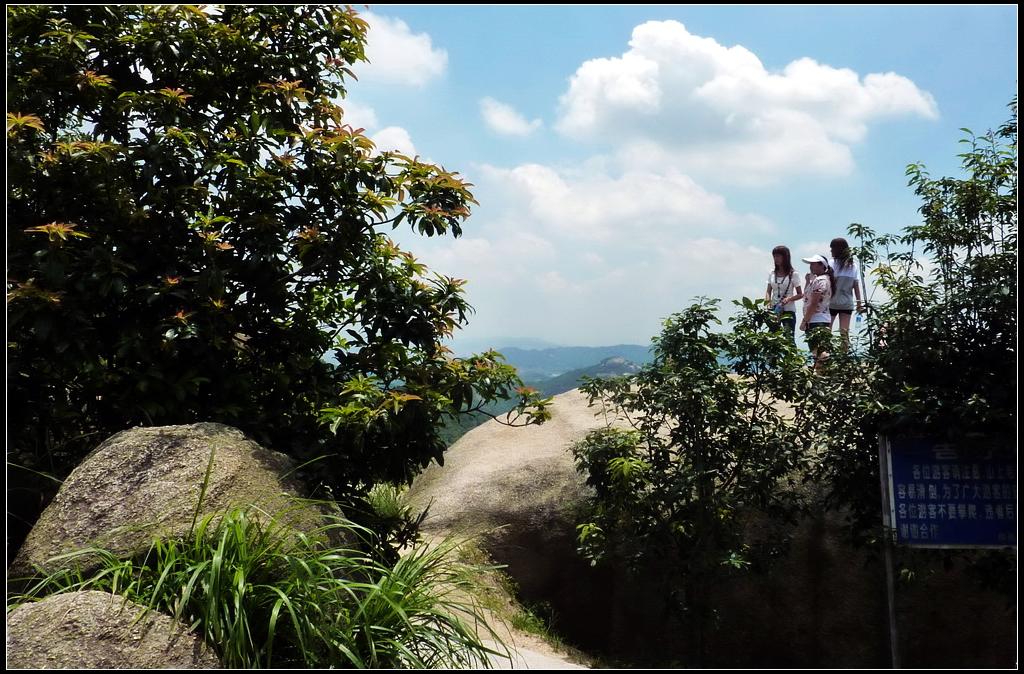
(538, 364)
(543, 363)
(614, 366)
(465, 347)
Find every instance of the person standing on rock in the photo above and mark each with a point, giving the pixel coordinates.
(817, 322)
(784, 289)
(846, 274)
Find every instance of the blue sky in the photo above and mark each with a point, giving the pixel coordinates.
(628, 159)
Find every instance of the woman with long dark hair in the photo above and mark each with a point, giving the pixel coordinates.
(817, 322)
(784, 289)
(847, 274)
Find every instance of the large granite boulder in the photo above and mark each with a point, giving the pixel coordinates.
(98, 630)
(516, 477)
(145, 482)
(518, 490)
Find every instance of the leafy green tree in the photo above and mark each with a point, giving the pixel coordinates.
(708, 446)
(195, 232)
(943, 349)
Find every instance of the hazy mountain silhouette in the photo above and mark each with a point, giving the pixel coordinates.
(535, 365)
(610, 366)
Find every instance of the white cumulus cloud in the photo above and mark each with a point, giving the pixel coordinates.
(505, 119)
(393, 138)
(359, 116)
(632, 207)
(703, 107)
(503, 261)
(399, 56)
(586, 250)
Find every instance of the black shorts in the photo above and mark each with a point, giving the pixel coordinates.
(844, 312)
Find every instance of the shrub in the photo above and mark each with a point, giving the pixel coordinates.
(708, 446)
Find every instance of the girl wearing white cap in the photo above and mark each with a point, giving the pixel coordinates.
(844, 267)
(784, 289)
(817, 322)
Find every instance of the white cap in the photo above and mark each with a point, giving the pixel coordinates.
(816, 258)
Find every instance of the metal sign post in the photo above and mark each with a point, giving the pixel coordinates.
(888, 533)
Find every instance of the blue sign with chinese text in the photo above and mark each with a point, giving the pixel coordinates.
(940, 497)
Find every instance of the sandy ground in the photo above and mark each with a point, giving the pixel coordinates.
(525, 658)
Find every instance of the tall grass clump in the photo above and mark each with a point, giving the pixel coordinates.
(395, 527)
(265, 595)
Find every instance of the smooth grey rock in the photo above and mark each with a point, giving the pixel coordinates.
(145, 482)
(98, 630)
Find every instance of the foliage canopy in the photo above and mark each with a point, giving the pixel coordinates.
(195, 232)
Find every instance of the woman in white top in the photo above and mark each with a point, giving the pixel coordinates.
(844, 267)
(817, 321)
(784, 289)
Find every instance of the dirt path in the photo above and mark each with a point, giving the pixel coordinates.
(497, 476)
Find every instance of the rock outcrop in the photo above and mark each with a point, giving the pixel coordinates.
(98, 630)
(518, 489)
(512, 477)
